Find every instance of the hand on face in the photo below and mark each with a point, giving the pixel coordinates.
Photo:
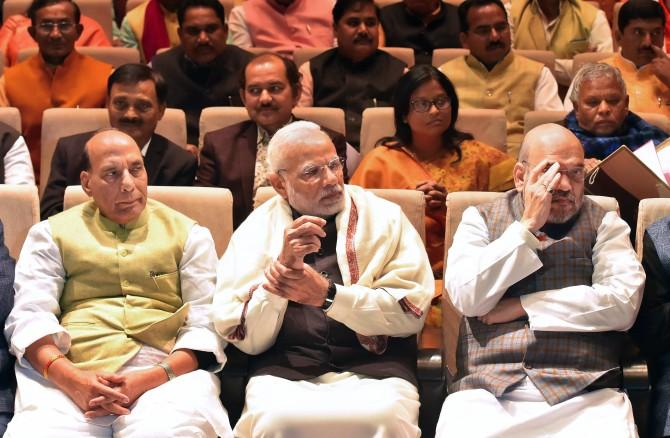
(434, 193)
(301, 238)
(537, 194)
(660, 65)
(304, 285)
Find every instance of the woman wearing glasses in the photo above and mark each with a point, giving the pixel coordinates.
(427, 153)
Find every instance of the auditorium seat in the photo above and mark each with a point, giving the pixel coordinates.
(211, 207)
(584, 58)
(19, 210)
(11, 116)
(486, 125)
(61, 122)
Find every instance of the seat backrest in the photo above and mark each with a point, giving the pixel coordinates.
(649, 211)
(440, 56)
(211, 207)
(99, 10)
(546, 57)
(486, 125)
(115, 56)
(304, 54)
(589, 57)
(218, 117)
(382, 3)
(19, 210)
(411, 202)
(11, 116)
(535, 118)
(61, 122)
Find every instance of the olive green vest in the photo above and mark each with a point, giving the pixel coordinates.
(510, 86)
(572, 32)
(122, 287)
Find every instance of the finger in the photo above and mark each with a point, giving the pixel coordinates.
(420, 184)
(118, 379)
(110, 393)
(658, 51)
(95, 413)
(306, 219)
(553, 183)
(294, 274)
(307, 229)
(537, 171)
(548, 176)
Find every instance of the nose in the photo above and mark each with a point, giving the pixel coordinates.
(329, 176)
(55, 32)
(127, 182)
(646, 39)
(604, 107)
(202, 36)
(564, 183)
(265, 96)
(433, 108)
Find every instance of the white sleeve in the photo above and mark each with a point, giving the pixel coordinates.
(238, 33)
(480, 271)
(17, 164)
(546, 92)
(38, 285)
(198, 277)
(610, 303)
(307, 82)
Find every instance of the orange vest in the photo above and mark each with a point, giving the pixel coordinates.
(80, 82)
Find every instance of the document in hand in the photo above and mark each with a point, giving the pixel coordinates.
(629, 177)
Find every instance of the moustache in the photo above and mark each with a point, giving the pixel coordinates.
(363, 39)
(559, 195)
(495, 45)
(330, 191)
(130, 121)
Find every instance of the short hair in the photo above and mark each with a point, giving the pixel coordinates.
(209, 4)
(465, 7)
(640, 9)
(301, 132)
(131, 74)
(292, 74)
(36, 5)
(342, 6)
(591, 72)
(417, 76)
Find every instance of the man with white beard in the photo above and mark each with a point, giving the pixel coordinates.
(326, 286)
(546, 279)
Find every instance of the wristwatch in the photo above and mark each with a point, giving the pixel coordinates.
(330, 296)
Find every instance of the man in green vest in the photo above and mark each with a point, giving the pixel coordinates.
(492, 76)
(110, 326)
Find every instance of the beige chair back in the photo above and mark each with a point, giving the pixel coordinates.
(219, 117)
(486, 125)
(457, 203)
(382, 3)
(649, 211)
(440, 56)
(411, 202)
(11, 116)
(589, 57)
(115, 56)
(19, 210)
(536, 118)
(304, 54)
(211, 207)
(61, 122)
(99, 10)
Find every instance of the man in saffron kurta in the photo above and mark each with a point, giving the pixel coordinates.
(546, 279)
(111, 325)
(57, 76)
(325, 286)
(492, 76)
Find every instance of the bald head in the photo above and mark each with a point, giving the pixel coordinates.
(115, 176)
(543, 146)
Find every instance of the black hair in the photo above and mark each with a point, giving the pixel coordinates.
(342, 6)
(36, 5)
(130, 74)
(292, 73)
(639, 9)
(408, 83)
(465, 7)
(209, 4)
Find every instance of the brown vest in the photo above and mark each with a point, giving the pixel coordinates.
(310, 343)
(560, 364)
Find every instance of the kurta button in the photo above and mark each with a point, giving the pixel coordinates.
(125, 283)
(124, 252)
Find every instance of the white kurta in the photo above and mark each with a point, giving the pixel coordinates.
(186, 406)
(391, 264)
(478, 274)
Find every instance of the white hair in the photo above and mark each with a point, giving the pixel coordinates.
(296, 133)
(592, 72)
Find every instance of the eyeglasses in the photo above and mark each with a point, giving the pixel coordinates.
(576, 174)
(314, 172)
(47, 27)
(423, 105)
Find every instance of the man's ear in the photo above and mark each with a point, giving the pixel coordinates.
(85, 178)
(278, 184)
(519, 173)
(463, 38)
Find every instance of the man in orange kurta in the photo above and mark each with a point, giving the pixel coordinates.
(57, 76)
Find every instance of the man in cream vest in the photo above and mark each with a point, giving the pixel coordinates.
(546, 279)
(325, 287)
(110, 326)
(492, 76)
(565, 27)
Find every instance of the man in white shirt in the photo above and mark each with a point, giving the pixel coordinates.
(325, 287)
(546, 279)
(16, 165)
(110, 325)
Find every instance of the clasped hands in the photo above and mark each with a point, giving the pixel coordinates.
(289, 276)
(434, 193)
